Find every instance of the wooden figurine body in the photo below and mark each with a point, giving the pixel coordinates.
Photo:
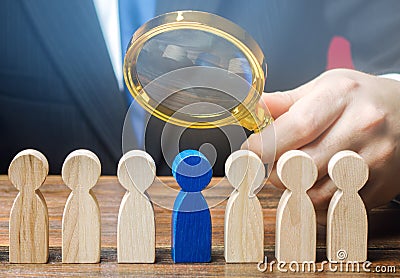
(191, 219)
(81, 217)
(244, 223)
(29, 224)
(295, 217)
(347, 223)
(136, 225)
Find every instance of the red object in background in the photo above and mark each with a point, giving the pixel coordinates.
(339, 54)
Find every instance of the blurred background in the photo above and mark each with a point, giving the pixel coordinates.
(61, 85)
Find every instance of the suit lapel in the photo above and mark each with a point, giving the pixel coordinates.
(72, 36)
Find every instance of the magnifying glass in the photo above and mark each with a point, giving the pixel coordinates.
(186, 57)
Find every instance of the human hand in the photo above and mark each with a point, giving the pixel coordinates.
(339, 110)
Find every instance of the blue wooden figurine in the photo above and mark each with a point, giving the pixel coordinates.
(191, 220)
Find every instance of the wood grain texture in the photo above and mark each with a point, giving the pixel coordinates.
(136, 233)
(383, 245)
(244, 225)
(347, 223)
(191, 220)
(295, 217)
(29, 224)
(81, 217)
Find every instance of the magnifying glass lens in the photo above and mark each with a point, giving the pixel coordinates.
(184, 58)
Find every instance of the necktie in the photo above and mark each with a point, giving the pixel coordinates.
(132, 14)
(339, 54)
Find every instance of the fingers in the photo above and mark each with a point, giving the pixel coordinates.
(274, 179)
(377, 155)
(264, 145)
(280, 102)
(321, 193)
(366, 136)
(307, 119)
(381, 186)
(304, 113)
(339, 136)
(334, 114)
(342, 135)
(320, 119)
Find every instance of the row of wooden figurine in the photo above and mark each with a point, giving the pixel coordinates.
(295, 232)
(244, 229)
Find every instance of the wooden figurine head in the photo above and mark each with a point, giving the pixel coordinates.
(28, 170)
(348, 171)
(81, 170)
(297, 170)
(136, 169)
(244, 167)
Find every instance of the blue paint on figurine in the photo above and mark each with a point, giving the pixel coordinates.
(191, 220)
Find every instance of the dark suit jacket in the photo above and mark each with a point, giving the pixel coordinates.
(58, 91)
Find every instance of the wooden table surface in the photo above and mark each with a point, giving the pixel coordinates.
(383, 251)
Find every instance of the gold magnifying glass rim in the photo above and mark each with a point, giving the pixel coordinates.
(201, 21)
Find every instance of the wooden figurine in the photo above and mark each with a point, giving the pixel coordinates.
(295, 216)
(191, 220)
(136, 226)
(81, 217)
(29, 223)
(347, 223)
(244, 223)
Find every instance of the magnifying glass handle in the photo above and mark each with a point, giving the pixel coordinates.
(257, 119)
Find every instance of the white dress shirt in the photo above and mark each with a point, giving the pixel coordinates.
(394, 76)
(108, 15)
